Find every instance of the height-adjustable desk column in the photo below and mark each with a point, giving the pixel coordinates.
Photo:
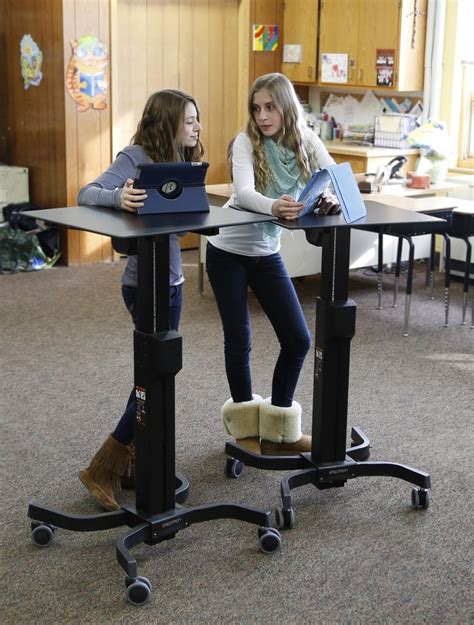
(157, 356)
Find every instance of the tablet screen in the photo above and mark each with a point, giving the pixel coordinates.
(315, 187)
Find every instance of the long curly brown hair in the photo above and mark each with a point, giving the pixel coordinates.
(294, 133)
(158, 126)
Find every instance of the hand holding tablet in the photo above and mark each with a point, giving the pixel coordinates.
(345, 188)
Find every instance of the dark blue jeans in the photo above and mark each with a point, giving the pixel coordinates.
(125, 430)
(230, 275)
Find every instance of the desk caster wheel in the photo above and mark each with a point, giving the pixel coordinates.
(420, 498)
(269, 539)
(42, 534)
(285, 518)
(233, 468)
(138, 590)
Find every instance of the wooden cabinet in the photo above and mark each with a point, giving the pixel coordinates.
(361, 28)
(367, 159)
(300, 27)
(370, 164)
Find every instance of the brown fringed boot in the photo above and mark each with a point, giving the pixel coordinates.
(240, 420)
(102, 476)
(280, 430)
(127, 481)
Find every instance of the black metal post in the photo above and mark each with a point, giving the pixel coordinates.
(158, 357)
(335, 327)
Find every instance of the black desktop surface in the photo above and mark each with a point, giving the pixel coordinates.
(122, 224)
(378, 215)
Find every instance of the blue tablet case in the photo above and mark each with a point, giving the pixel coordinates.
(345, 188)
(172, 187)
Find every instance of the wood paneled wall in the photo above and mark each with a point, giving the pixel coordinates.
(62, 148)
(266, 12)
(33, 135)
(203, 47)
(88, 133)
(186, 44)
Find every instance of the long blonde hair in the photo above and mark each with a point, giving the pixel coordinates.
(294, 133)
(157, 129)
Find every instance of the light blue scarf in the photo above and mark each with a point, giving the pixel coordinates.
(286, 179)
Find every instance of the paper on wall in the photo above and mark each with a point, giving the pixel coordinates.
(291, 53)
(368, 107)
(348, 110)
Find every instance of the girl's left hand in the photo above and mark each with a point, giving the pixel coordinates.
(328, 205)
(286, 207)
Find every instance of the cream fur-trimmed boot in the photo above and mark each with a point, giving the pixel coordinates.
(241, 420)
(280, 430)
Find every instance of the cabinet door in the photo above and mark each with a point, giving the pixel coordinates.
(411, 60)
(378, 30)
(339, 25)
(300, 27)
(358, 163)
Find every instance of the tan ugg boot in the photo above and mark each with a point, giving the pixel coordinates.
(241, 419)
(280, 430)
(102, 476)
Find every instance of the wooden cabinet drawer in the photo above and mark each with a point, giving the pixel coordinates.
(357, 163)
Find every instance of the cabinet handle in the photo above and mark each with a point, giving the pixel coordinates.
(361, 73)
(310, 71)
(351, 69)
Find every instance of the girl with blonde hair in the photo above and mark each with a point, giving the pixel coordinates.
(271, 163)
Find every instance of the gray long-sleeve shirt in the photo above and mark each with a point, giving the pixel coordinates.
(105, 191)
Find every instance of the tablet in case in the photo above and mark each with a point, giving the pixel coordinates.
(172, 187)
(345, 189)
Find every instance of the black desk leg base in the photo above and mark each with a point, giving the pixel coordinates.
(238, 457)
(148, 529)
(45, 521)
(336, 474)
(160, 527)
(157, 528)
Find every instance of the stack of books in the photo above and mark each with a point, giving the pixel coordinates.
(359, 134)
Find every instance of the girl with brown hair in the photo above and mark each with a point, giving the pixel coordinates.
(168, 131)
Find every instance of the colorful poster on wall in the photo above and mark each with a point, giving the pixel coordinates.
(384, 66)
(31, 59)
(87, 75)
(334, 67)
(265, 37)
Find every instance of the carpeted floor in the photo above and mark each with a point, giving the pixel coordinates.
(358, 555)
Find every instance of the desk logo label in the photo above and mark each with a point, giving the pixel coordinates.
(140, 393)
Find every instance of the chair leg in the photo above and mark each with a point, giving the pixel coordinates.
(411, 256)
(397, 271)
(466, 282)
(200, 277)
(380, 271)
(431, 266)
(447, 277)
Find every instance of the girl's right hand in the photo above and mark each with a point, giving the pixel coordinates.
(285, 207)
(132, 199)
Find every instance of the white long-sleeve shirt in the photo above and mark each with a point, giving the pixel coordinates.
(249, 240)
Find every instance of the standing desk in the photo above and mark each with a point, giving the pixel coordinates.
(460, 216)
(330, 464)
(157, 514)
